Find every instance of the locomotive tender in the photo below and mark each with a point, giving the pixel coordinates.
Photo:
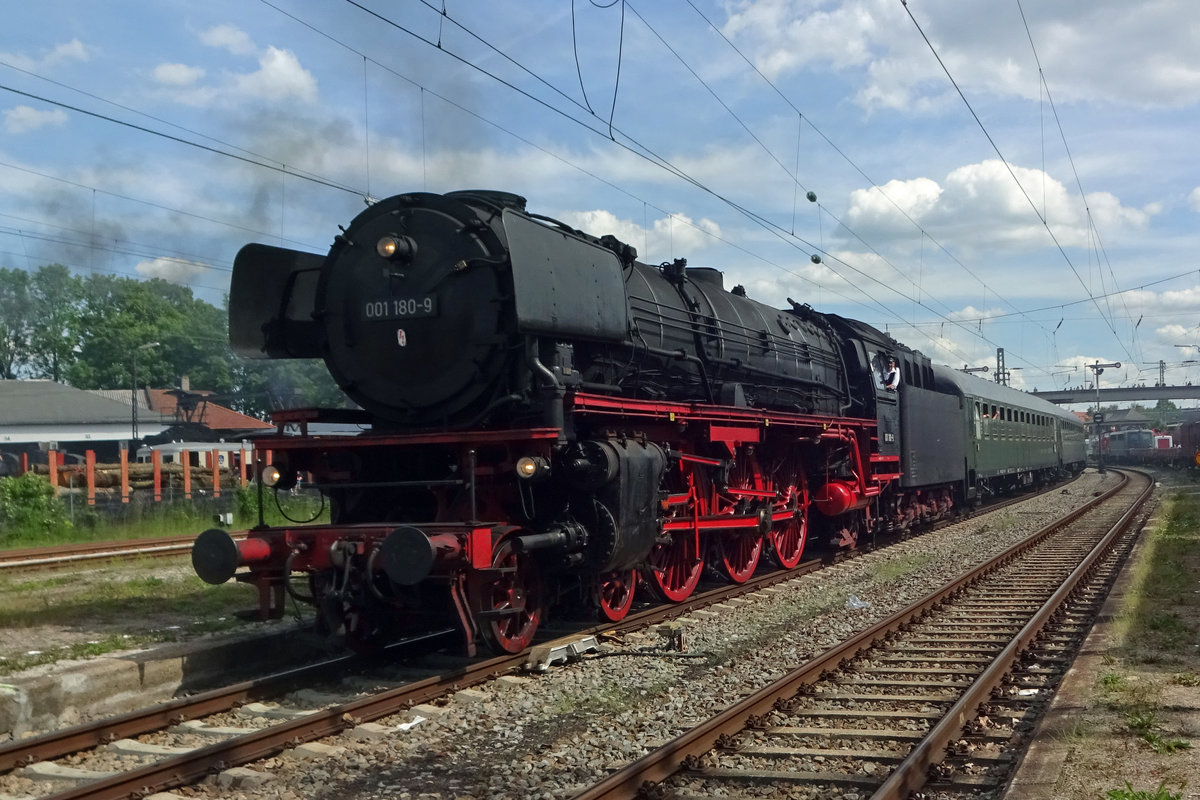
(548, 420)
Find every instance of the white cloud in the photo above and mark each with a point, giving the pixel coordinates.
(981, 205)
(790, 34)
(684, 235)
(23, 119)
(177, 74)
(668, 237)
(971, 313)
(1194, 200)
(886, 206)
(985, 48)
(279, 77)
(229, 37)
(73, 50)
(175, 270)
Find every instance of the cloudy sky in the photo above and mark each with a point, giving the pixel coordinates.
(1016, 175)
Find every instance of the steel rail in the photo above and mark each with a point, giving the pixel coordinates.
(194, 766)
(91, 552)
(56, 744)
(912, 774)
(190, 767)
(666, 760)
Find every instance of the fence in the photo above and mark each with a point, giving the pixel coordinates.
(153, 481)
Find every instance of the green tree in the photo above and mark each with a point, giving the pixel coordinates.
(56, 297)
(118, 316)
(1164, 413)
(268, 385)
(87, 331)
(121, 315)
(14, 321)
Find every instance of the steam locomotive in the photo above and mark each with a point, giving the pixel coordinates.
(548, 421)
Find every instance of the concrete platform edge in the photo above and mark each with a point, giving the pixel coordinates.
(67, 692)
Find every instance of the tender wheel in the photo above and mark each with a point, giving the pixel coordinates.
(613, 594)
(510, 606)
(788, 537)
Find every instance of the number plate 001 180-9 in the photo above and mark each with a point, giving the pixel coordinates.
(401, 307)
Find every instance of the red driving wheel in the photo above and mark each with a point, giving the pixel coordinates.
(613, 594)
(674, 567)
(737, 552)
(510, 607)
(788, 536)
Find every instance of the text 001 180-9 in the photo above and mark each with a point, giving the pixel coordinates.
(401, 307)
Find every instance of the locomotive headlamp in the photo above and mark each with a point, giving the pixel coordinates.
(531, 467)
(394, 246)
(270, 475)
(387, 246)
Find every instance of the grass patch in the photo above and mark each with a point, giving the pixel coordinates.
(90, 649)
(1129, 696)
(892, 569)
(82, 599)
(1001, 521)
(1111, 682)
(1075, 732)
(609, 699)
(92, 613)
(1162, 622)
(1129, 793)
(766, 633)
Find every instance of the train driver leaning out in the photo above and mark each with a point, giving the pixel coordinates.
(891, 378)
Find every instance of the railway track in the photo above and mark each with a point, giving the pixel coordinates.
(931, 693)
(250, 731)
(60, 760)
(89, 554)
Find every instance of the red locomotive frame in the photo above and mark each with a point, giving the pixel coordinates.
(741, 482)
